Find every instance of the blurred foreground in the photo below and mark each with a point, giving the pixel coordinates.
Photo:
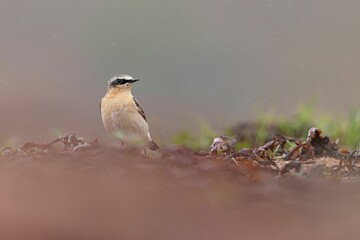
(109, 193)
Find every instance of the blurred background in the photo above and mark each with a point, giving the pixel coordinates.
(198, 61)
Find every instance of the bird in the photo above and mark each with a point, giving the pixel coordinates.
(123, 116)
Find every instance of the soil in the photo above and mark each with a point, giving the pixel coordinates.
(100, 192)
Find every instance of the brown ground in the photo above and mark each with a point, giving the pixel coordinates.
(107, 193)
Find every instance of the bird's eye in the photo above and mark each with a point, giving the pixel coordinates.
(120, 81)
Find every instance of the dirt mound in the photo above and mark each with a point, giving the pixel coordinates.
(71, 189)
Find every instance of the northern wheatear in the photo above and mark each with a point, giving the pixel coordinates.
(123, 116)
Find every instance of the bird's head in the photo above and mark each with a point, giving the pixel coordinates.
(121, 82)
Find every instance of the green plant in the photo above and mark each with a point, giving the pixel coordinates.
(200, 140)
(345, 130)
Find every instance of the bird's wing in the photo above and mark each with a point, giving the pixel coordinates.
(140, 109)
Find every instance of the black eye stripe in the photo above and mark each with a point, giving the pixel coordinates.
(122, 81)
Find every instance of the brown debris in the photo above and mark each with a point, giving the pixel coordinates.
(223, 144)
(68, 142)
(282, 155)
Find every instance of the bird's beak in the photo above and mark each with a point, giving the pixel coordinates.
(133, 80)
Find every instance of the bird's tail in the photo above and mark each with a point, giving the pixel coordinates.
(152, 151)
(152, 146)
